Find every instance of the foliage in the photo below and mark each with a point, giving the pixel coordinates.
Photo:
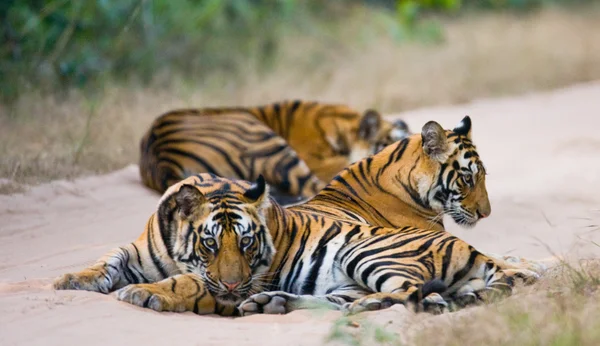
(77, 42)
(58, 44)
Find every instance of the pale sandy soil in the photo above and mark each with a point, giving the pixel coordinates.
(542, 153)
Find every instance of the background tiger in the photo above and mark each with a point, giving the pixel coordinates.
(297, 146)
(214, 242)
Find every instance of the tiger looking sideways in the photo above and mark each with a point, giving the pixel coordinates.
(215, 243)
(297, 146)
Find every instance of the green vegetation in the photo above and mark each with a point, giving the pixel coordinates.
(85, 78)
(60, 44)
(561, 310)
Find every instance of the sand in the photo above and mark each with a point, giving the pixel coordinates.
(542, 153)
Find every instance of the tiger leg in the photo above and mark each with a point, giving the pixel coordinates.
(283, 168)
(515, 262)
(495, 284)
(280, 302)
(413, 294)
(114, 270)
(179, 293)
(394, 277)
(501, 283)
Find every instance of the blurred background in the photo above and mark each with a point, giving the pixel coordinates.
(82, 80)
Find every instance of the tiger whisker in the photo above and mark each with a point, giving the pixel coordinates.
(435, 219)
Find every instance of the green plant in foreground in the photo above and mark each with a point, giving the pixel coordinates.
(357, 331)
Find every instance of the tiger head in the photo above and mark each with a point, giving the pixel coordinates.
(215, 228)
(373, 134)
(368, 135)
(459, 187)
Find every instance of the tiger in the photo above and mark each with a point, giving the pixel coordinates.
(413, 182)
(184, 260)
(217, 245)
(297, 146)
(417, 181)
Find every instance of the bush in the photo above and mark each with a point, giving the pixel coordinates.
(60, 44)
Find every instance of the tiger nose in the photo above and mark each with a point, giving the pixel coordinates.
(231, 285)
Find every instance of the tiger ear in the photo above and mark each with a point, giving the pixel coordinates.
(464, 127)
(435, 143)
(258, 193)
(369, 125)
(400, 124)
(182, 199)
(189, 199)
(399, 130)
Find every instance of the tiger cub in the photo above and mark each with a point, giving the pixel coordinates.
(297, 146)
(185, 260)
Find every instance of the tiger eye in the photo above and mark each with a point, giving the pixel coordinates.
(468, 179)
(210, 242)
(246, 240)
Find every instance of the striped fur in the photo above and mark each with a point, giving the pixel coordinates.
(204, 250)
(319, 254)
(413, 182)
(297, 146)
(303, 258)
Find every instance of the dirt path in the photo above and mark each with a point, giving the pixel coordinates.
(542, 153)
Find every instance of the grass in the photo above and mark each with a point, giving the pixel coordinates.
(354, 331)
(562, 309)
(354, 62)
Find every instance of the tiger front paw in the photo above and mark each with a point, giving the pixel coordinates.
(266, 303)
(149, 296)
(435, 304)
(85, 281)
(372, 302)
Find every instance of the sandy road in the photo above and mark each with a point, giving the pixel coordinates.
(542, 153)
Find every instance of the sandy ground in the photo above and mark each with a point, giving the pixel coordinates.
(542, 153)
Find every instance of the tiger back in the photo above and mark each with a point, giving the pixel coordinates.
(297, 146)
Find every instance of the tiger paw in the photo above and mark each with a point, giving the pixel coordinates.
(85, 281)
(466, 295)
(266, 303)
(372, 302)
(435, 304)
(527, 277)
(149, 296)
(539, 266)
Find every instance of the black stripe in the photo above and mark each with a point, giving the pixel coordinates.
(447, 259)
(311, 280)
(152, 253)
(190, 156)
(465, 270)
(296, 265)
